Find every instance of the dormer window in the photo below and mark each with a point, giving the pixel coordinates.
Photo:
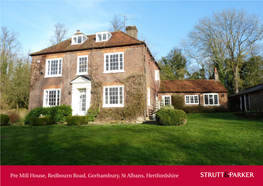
(103, 36)
(78, 38)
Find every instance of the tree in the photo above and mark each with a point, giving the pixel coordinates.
(173, 66)
(117, 24)
(227, 39)
(60, 33)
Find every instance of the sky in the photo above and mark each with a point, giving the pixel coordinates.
(163, 23)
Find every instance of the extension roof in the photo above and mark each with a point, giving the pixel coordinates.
(248, 90)
(192, 86)
(118, 38)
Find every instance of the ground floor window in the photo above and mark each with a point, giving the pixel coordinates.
(211, 99)
(167, 100)
(113, 96)
(51, 97)
(191, 99)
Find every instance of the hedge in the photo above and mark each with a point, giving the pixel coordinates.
(77, 120)
(41, 121)
(169, 117)
(58, 112)
(4, 119)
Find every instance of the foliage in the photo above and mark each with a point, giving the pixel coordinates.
(171, 117)
(4, 119)
(225, 40)
(14, 116)
(178, 101)
(173, 66)
(77, 120)
(117, 24)
(92, 113)
(41, 121)
(58, 112)
(203, 109)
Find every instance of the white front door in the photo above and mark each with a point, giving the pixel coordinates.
(82, 102)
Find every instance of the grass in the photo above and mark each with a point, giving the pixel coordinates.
(207, 139)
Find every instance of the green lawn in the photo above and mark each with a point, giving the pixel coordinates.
(207, 139)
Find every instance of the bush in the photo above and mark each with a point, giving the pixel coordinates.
(168, 107)
(14, 116)
(41, 121)
(178, 101)
(4, 119)
(93, 113)
(171, 117)
(58, 112)
(77, 120)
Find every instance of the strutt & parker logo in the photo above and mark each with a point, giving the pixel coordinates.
(226, 174)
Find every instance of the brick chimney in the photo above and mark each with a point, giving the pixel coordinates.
(132, 31)
(78, 32)
(215, 74)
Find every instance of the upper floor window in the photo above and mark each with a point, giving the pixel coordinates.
(211, 99)
(54, 67)
(114, 62)
(167, 100)
(149, 97)
(78, 39)
(82, 66)
(103, 36)
(191, 99)
(157, 75)
(113, 96)
(51, 97)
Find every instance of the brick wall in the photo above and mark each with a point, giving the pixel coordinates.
(133, 64)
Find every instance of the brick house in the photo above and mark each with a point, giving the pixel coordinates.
(204, 92)
(100, 69)
(249, 99)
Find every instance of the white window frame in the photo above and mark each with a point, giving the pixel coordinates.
(213, 99)
(193, 99)
(45, 95)
(163, 98)
(82, 73)
(108, 36)
(83, 39)
(46, 68)
(114, 71)
(157, 75)
(113, 105)
(149, 96)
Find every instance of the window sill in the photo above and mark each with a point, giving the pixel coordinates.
(192, 103)
(52, 76)
(80, 74)
(108, 72)
(211, 105)
(112, 106)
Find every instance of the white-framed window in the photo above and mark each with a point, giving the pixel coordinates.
(157, 75)
(114, 62)
(78, 39)
(113, 96)
(191, 99)
(103, 36)
(82, 65)
(149, 96)
(51, 97)
(53, 67)
(167, 100)
(211, 99)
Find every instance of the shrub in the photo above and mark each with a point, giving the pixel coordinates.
(178, 101)
(41, 121)
(171, 117)
(58, 112)
(92, 113)
(4, 119)
(168, 107)
(14, 116)
(77, 120)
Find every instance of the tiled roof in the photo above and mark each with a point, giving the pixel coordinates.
(248, 90)
(192, 86)
(118, 38)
